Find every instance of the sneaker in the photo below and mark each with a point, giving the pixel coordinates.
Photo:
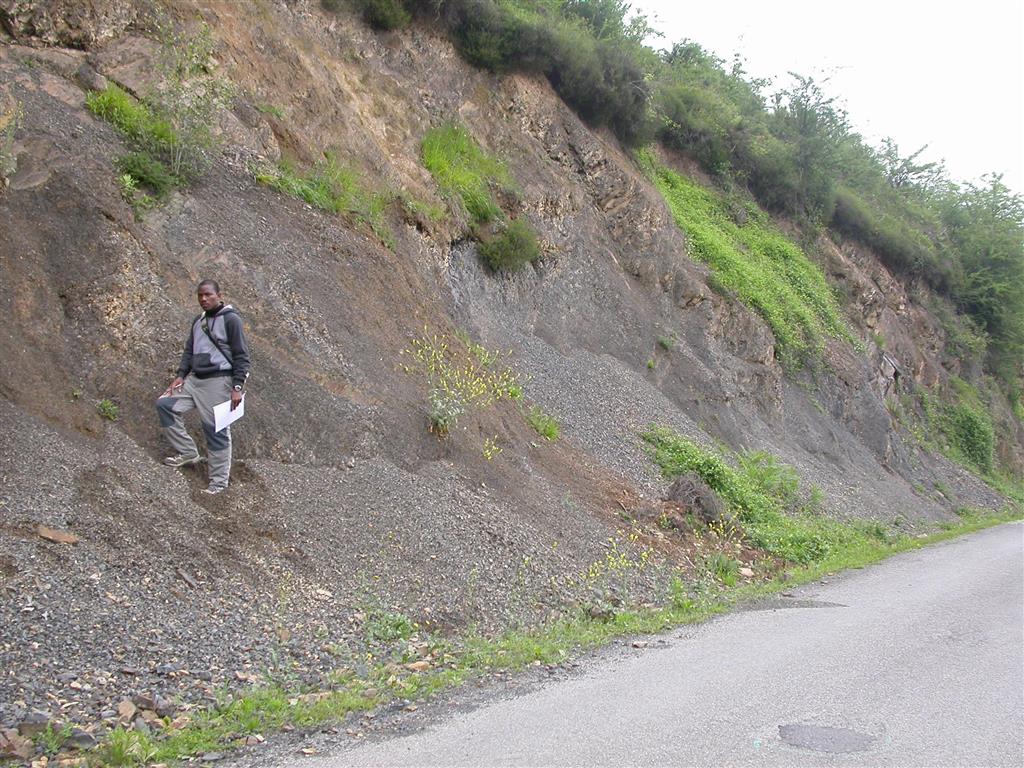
(182, 461)
(213, 490)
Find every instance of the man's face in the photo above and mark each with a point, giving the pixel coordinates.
(208, 298)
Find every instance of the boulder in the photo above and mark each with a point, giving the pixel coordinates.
(692, 493)
(68, 23)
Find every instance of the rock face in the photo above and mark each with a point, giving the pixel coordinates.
(338, 487)
(69, 23)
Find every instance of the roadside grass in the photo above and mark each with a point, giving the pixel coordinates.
(333, 187)
(752, 259)
(454, 661)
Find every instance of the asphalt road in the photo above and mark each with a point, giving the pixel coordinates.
(918, 661)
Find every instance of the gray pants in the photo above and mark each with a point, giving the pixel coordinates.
(202, 394)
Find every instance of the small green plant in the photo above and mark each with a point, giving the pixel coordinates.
(11, 115)
(52, 740)
(272, 110)
(668, 343)
(127, 749)
(107, 409)
(461, 377)
(724, 568)
(149, 172)
(491, 447)
(383, 626)
(544, 425)
(650, 363)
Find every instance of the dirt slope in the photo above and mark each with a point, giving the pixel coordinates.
(341, 498)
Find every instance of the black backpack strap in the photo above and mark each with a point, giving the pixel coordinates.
(206, 329)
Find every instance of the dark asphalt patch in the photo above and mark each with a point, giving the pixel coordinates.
(825, 739)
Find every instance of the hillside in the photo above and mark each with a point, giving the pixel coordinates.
(344, 506)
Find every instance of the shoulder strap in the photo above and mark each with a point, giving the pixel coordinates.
(224, 350)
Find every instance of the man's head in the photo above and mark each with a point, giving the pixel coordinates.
(208, 294)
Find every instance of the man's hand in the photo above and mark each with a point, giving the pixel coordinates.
(177, 384)
(236, 398)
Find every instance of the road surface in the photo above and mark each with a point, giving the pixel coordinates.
(917, 661)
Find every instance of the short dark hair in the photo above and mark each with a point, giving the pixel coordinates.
(211, 283)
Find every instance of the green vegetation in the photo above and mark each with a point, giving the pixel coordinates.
(512, 247)
(461, 377)
(332, 187)
(135, 119)
(757, 262)
(171, 129)
(763, 497)
(960, 426)
(544, 425)
(472, 178)
(383, 626)
(107, 409)
(465, 172)
(794, 148)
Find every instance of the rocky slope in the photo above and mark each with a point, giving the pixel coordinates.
(342, 499)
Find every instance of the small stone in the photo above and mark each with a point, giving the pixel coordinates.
(33, 724)
(126, 712)
(80, 739)
(56, 536)
(640, 643)
(14, 745)
(212, 757)
(307, 751)
(144, 701)
(418, 666)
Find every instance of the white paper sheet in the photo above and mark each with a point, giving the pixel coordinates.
(223, 416)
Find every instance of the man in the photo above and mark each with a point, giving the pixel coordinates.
(213, 369)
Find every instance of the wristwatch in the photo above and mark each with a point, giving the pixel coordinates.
(237, 387)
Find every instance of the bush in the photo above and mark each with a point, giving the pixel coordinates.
(384, 14)
(150, 172)
(970, 433)
(512, 248)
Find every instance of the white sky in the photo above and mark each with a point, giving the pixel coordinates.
(946, 74)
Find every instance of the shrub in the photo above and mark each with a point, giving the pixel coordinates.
(769, 520)
(970, 433)
(107, 409)
(384, 14)
(148, 171)
(514, 246)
